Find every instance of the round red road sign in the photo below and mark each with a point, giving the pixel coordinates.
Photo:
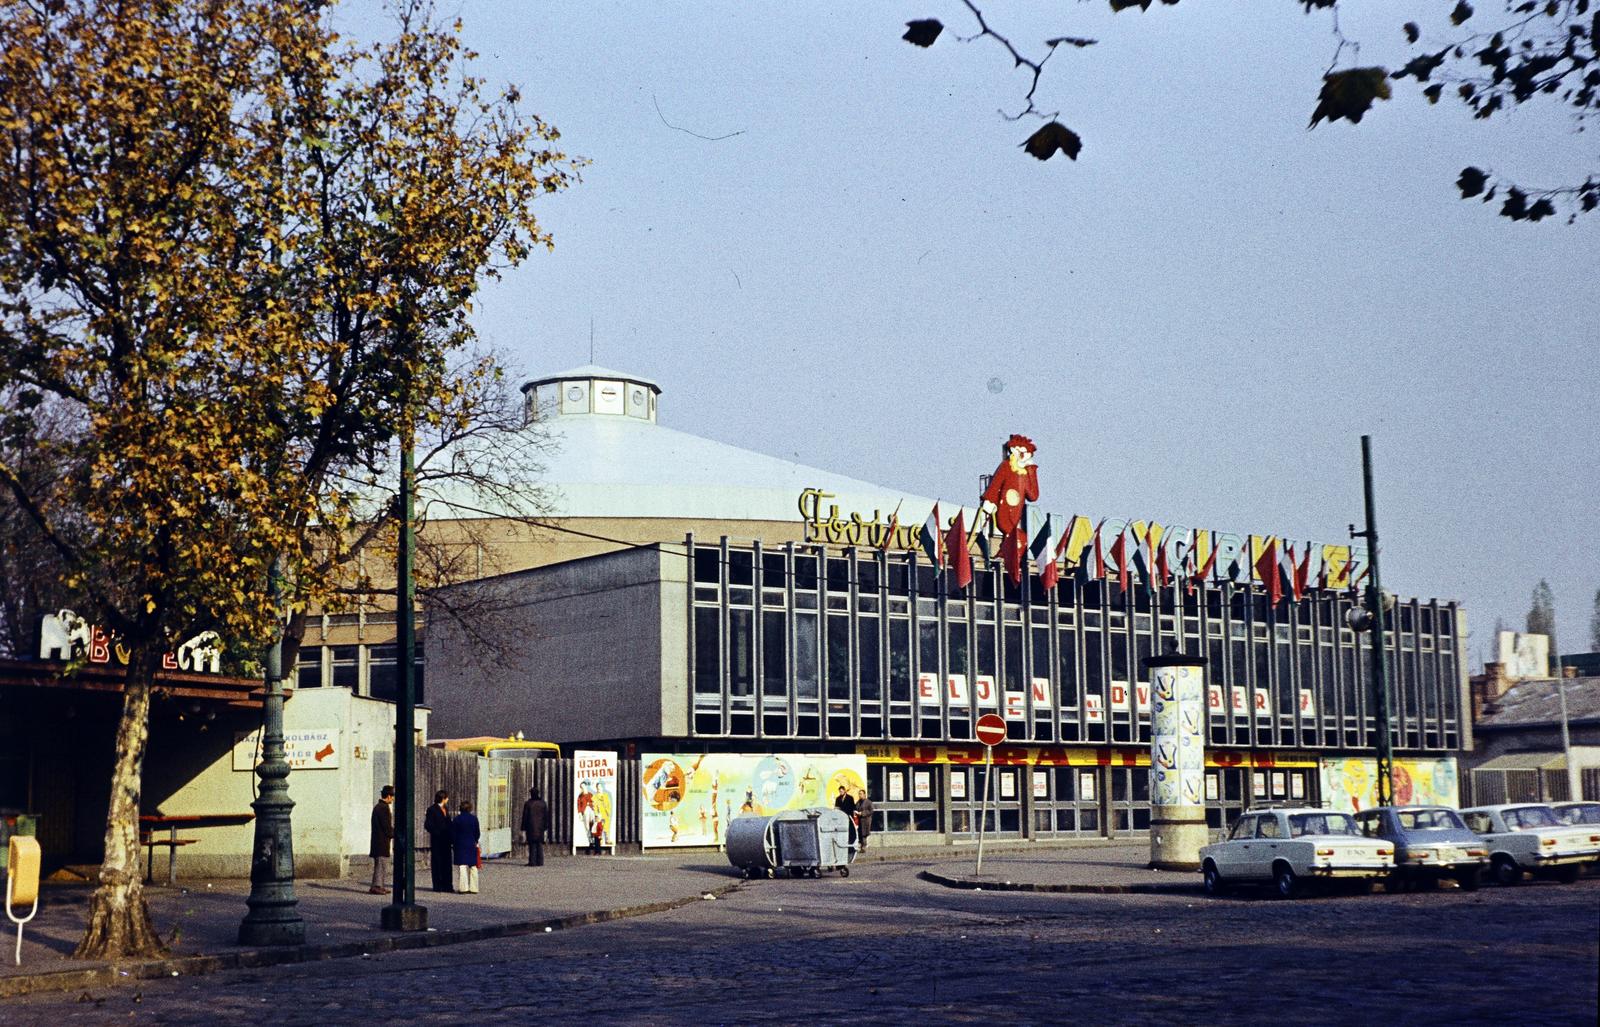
(991, 730)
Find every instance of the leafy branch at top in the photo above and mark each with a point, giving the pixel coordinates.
(1539, 49)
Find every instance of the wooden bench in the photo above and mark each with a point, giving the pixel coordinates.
(162, 829)
(172, 845)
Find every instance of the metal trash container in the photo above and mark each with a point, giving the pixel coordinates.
(804, 842)
(14, 823)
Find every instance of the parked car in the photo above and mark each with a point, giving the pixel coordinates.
(1528, 837)
(1290, 846)
(1577, 812)
(1431, 844)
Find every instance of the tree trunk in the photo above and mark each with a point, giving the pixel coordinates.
(119, 919)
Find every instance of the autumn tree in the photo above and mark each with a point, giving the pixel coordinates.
(238, 254)
(1542, 614)
(1530, 51)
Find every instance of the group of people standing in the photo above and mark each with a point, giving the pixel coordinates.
(454, 841)
(859, 809)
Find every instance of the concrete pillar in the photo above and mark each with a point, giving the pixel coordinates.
(1177, 761)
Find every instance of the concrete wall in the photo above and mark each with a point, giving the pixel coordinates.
(590, 649)
(332, 806)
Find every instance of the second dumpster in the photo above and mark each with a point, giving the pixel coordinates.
(804, 842)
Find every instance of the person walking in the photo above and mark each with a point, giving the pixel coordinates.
(382, 846)
(535, 826)
(864, 813)
(437, 824)
(464, 835)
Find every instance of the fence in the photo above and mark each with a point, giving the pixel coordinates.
(1493, 787)
(498, 788)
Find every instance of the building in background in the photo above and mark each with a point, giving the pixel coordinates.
(691, 597)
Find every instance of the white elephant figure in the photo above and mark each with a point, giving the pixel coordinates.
(202, 653)
(62, 635)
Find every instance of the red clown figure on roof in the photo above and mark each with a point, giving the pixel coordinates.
(1014, 485)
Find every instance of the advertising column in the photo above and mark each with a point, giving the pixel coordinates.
(594, 801)
(1177, 761)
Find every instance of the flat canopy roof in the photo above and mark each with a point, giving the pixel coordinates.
(1525, 761)
(96, 678)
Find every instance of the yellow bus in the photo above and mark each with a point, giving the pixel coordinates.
(495, 748)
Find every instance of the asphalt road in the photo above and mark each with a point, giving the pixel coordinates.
(883, 947)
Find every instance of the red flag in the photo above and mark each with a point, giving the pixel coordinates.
(1302, 573)
(1011, 553)
(958, 552)
(1119, 553)
(1206, 568)
(1099, 554)
(1267, 570)
(1163, 570)
(894, 526)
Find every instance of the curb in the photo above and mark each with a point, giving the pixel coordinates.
(967, 884)
(188, 966)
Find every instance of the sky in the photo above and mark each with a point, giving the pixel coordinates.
(826, 245)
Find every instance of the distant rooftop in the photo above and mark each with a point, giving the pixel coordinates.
(1536, 702)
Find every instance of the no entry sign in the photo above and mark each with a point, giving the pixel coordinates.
(991, 730)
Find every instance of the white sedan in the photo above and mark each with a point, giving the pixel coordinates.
(1290, 846)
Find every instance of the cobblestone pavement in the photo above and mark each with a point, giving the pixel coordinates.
(883, 947)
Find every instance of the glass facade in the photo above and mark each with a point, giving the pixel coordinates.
(864, 646)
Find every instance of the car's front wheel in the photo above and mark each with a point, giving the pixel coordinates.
(1284, 879)
(1213, 880)
(1506, 871)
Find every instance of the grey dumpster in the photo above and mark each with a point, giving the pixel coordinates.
(805, 842)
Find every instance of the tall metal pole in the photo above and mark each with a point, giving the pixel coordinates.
(988, 786)
(273, 918)
(403, 914)
(1380, 664)
(1574, 785)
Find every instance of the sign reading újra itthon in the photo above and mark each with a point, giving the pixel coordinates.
(594, 800)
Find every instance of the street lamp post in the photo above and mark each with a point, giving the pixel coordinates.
(403, 914)
(1373, 621)
(273, 918)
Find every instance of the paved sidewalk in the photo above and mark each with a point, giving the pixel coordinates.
(201, 919)
(1104, 868)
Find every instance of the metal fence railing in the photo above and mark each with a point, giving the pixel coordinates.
(499, 787)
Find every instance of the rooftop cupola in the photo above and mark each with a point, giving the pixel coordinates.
(590, 391)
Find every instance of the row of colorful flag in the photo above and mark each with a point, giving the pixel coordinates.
(1280, 570)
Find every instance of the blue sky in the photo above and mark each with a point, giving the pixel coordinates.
(1196, 321)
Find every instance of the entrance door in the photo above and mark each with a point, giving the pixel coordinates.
(967, 800)
(1065, 801)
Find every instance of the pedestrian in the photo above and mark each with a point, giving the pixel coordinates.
(846, 805)
(535, 826)
(437, 824)
(864, 813)
(382, 846)
(464, 834)
(597, 833)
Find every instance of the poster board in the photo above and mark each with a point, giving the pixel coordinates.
(687, 800)
(594, 812)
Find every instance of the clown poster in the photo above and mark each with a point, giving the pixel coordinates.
(594, 801)
(1351, 784)
(687, 800)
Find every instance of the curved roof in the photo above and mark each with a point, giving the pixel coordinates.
(615, 465)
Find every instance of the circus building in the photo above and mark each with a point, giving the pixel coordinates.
(755, 632)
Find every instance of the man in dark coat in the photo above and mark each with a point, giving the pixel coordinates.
(864, 811)
(846, 805)
(437, 824)
(535, 826)
(382, 840)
